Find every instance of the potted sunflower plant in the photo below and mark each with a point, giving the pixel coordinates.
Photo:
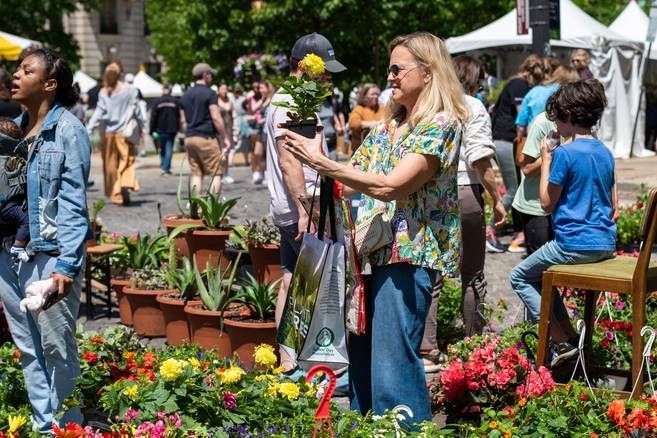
(307, 93)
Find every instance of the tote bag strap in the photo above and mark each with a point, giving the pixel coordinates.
(326, 205)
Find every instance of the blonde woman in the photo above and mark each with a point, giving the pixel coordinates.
(366, 114)
(117, 105)
(408, 165)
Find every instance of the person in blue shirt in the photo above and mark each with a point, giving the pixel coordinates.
(577, 187)
(535, 100)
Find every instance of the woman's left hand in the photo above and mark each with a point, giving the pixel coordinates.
(62, 283)
(306, 150)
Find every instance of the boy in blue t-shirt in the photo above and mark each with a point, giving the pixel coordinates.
(577, 186)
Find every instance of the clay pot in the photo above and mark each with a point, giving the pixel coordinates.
(125, 312)
(205, 329)
(208, 246)
(266, 262)
(93, 227)
(147, 317)
(175, 319)
(245, 336)
(180, 242)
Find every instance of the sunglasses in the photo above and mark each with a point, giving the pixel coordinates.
(395, 69)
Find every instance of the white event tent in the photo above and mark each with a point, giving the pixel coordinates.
(577, 31)
(632, 24)
(85, 81)
(148, 86)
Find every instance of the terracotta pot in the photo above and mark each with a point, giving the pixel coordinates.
(266, 261)
(208, 246)
(245, 336)
(93, 229)
(180, 242)
(125, 312)
(175, 319)
(204, 328)
(147, 317)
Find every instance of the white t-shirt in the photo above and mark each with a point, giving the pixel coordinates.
(282, 206)
(476, 143)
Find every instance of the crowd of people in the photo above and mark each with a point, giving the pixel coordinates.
(422, 151)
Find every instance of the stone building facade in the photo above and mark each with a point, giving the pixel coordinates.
(116, 31)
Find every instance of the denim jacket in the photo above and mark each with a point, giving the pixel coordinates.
(57, 174)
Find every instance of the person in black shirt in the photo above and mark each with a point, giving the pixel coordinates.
(206, 139)
(8, 108)
(165, 124)
(504, 133)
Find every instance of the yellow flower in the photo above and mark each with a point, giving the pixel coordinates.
(265, 378)
(131, 392)
(289, 390)
(171, 369)
(231, 375)
(493, 425)
(264, 355)
(272, 390)
(278, 370)
(312, 64)
(15, 423)
(311, 391)
(194, 363)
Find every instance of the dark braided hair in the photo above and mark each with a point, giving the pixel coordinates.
(59, 70)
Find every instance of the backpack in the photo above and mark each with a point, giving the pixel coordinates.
(13, 169)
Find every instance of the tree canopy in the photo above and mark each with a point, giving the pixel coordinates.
(41, 20)
(219, 31)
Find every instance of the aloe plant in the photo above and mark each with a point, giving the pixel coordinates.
(214, 211)
(183, 278)
(260, 298)
(145, 250)
(191, 210)
(216, 285)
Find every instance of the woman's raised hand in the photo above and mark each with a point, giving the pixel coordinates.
(304, 149)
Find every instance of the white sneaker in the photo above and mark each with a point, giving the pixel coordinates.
(228, 179)
(258, 177)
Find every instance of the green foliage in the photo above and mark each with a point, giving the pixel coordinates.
(13, 396)
(214, 211)
(183, 278)
(628, 226)
(42, 21)
(95, 209)
(145, 251)
(150, 278)
(307, 96)
(449, 312)
(187, 207)
(215, 285)
(237, 238)
(261, 232)
(259, 298)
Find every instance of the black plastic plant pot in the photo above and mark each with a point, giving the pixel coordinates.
(306, 128)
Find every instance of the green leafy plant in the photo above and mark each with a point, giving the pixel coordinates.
(145, 250)
(237, 238)
(150, 278)
(307, 92)
(449, 312)
(261, 232)
(186, 205)
(216, 285)
(259, 298)
(95, 209)
(628, 226)
(182, 278)
(214, 211)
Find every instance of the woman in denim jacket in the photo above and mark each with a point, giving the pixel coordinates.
(57, 173)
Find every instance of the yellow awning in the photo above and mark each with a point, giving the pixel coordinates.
(12, 45)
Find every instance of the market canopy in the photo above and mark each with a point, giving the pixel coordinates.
(11, 46)
(632, 24)
(577, 31)
(148, 86)
(85, 81)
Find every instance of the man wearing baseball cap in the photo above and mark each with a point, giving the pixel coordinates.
(288, 179)
(206, 139)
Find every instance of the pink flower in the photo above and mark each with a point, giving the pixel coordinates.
(619, 305)
(609, 335)
(130, 415)
(230, 401)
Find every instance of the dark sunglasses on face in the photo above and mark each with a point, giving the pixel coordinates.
(395, 69)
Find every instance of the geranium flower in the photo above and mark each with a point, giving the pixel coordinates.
(289, 390)
(230, 401)
(90, 357)
(616, 410)
(312, 64)
(130, 415)
(230, 375)
(264, 355)
(619, 305)
(97, 339)
(72, 430)
(171, 369)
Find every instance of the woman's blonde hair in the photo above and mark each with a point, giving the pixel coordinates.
(111, 76)
(532, 70)
(563, 75)
(443, 93)
(360, 100)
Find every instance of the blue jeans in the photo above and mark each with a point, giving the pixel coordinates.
(385, 368)
(166, 151)
(526, 277)
(49, 352)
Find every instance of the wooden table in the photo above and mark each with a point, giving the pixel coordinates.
(99, 251)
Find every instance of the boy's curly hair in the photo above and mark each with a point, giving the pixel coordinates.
(9, 128)
(580, 103)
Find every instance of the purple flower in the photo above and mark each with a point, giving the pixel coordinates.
(230, 401)
(620, 305)
(609, 335)
(576, 314)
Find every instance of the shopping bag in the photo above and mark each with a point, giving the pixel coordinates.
(354, 283)
(312, 328)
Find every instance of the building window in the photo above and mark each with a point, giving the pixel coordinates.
(147, 30)
(108, 17)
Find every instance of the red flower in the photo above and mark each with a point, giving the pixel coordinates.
(150, 359)
(616, 410)
(90, 357)
(72, 430)
(97, 339)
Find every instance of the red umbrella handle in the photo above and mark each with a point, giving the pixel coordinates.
(323, 412)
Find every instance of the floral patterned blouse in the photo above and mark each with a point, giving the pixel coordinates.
(426, 224)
